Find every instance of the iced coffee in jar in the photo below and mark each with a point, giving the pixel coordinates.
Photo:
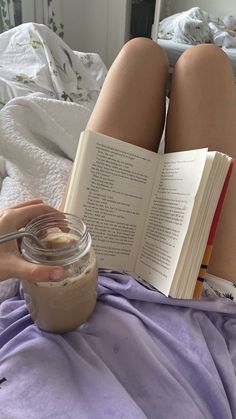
(61, 306)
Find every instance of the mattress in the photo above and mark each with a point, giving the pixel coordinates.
(174, 50)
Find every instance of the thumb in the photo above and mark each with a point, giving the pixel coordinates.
(37, 273)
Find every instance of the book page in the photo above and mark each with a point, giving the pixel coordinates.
(169, 216)
(111, 196)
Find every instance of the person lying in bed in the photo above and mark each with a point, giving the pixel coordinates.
(201, 113)
(11, 263)
(141, 355)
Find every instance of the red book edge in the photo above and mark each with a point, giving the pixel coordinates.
(206, 258)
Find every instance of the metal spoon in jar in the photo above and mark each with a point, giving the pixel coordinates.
(18, 235)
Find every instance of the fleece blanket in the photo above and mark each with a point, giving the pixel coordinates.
(140, 355)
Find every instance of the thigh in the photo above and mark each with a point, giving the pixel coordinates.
(131, 105)
(202, 113)
(203, 101)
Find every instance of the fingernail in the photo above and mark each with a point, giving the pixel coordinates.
(56, 274)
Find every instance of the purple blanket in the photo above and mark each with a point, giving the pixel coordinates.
(141, 355)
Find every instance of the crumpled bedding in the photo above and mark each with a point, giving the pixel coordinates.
(47, 93)
(35, 61)
(141, 355)
(196, 26)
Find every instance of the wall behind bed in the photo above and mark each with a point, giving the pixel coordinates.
(96, 26)
(101, 26)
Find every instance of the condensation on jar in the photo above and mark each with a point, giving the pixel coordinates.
(61, 306)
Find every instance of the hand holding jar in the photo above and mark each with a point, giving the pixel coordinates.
(11, 262)
(61, 306)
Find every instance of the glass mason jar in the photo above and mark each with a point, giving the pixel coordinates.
(61, 306)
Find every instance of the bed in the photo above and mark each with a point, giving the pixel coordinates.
(179, 31)
(140, 355)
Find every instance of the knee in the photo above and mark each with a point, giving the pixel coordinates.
(145, 51)
(203, 58)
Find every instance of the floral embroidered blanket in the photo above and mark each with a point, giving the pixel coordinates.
(35, 61)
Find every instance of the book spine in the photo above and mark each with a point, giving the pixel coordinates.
(208, 251)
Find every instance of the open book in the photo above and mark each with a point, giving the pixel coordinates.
(148, 214)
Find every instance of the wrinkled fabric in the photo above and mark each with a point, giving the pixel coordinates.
(196, 26)
(47, 92)
(141, 355)
(34, 60)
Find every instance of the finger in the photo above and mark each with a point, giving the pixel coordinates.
(36, 273)
(19, 217)
(34, 201)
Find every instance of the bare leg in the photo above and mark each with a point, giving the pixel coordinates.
(131, 105)
(202, 113)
